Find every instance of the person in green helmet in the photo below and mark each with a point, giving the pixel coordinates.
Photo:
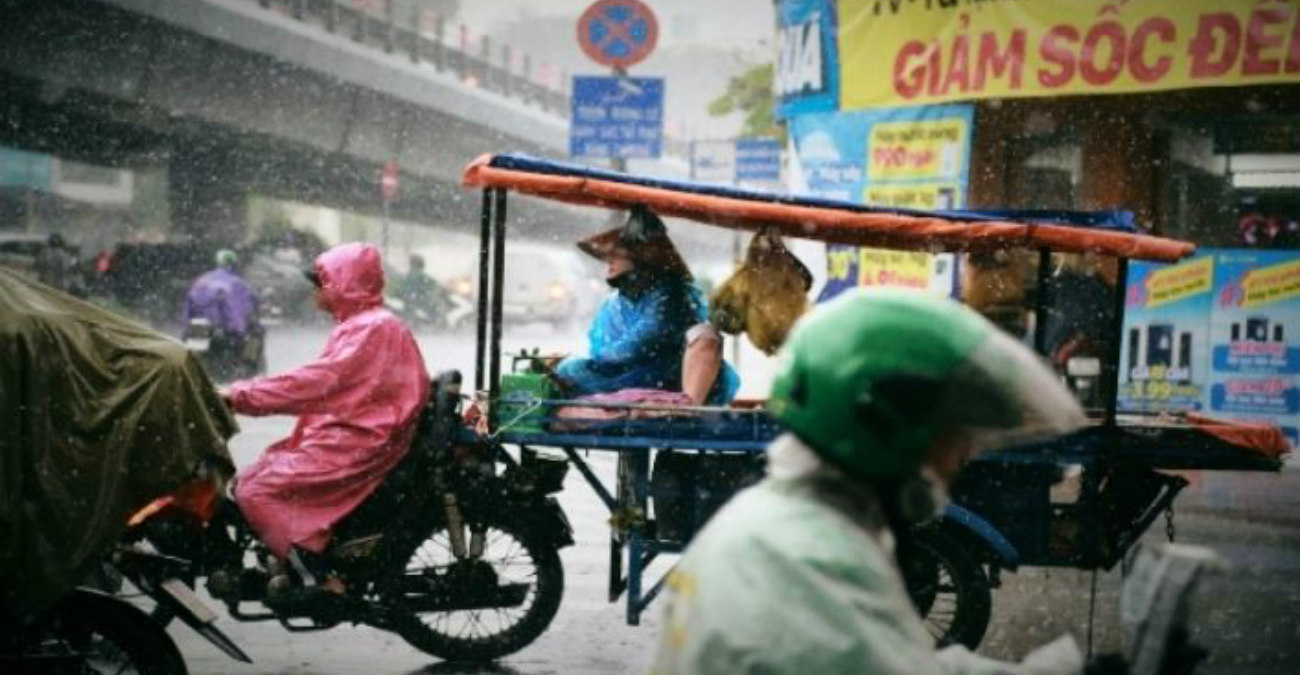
(884, 394)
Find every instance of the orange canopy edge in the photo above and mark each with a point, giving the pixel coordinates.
(906, 231)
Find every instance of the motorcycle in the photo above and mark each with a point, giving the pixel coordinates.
(95, 628)
(225, 354)
(457, 558)
(83, 452)
(453, 312)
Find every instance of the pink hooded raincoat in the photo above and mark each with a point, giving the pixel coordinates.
(358, 405)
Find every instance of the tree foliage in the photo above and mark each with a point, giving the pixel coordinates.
(750, 93)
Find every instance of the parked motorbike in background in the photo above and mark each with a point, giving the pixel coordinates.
(451, 312)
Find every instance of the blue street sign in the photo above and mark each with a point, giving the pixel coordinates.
(758, 159)
(616, 117)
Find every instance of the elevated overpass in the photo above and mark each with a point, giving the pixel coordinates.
(301, 100)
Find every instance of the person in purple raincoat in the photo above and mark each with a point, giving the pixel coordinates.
(230, 307)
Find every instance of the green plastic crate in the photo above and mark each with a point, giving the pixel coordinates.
(522, 391)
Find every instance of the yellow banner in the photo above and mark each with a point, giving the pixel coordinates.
(884, 267)
(839, 263)
(1180, 281)
(928, 196)
(916, 149)
(1271, 284)
(911, 52)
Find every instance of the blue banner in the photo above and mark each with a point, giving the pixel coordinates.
(616, 117)
(807, 75)
(758, 159)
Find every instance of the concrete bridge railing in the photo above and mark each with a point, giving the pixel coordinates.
(423, 37)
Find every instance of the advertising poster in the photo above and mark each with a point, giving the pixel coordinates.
(1164, 353)
(908, 269)
(1255, 337)
(906, 53)
(909, 158)
(807, 77)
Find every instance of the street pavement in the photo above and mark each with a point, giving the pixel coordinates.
(1249, 616)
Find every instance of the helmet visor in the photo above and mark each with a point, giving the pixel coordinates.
(1005, 395)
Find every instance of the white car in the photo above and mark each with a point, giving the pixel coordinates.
(544, 284)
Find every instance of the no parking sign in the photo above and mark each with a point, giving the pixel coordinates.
(618, 33)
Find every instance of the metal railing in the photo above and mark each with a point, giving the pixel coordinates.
(422, 36)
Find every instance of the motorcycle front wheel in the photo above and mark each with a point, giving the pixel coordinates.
(92, 632)
(511, 557)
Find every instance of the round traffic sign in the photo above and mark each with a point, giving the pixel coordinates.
(388, 181)
(618, 33)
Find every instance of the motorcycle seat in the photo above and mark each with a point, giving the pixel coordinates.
(412, 478)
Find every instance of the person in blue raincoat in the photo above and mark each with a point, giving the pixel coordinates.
(643, 332)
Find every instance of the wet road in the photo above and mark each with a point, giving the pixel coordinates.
(1249, 617)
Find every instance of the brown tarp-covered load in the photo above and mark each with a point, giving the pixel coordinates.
(98, 416)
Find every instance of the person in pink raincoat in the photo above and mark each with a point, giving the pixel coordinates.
(357, 403)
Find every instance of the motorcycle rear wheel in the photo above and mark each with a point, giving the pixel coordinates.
(517, 556)
(102, 634)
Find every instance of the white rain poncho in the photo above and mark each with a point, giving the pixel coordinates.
(796, 575)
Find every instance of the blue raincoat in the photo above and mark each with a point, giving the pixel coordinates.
(638, 343)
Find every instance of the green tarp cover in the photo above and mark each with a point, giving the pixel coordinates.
(98, 417)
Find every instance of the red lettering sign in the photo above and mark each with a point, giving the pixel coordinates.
(1208, 58)
(1138, 64)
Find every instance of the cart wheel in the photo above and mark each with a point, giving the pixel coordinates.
(948, 586)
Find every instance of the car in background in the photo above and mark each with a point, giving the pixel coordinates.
(152, 279)
(543, 284)
(283, 292)
(19, 251)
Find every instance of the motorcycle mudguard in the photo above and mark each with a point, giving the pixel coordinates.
(996, 546)
(187, 606)
(543, 516)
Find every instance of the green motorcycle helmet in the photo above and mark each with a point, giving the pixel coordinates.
(871, 379)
